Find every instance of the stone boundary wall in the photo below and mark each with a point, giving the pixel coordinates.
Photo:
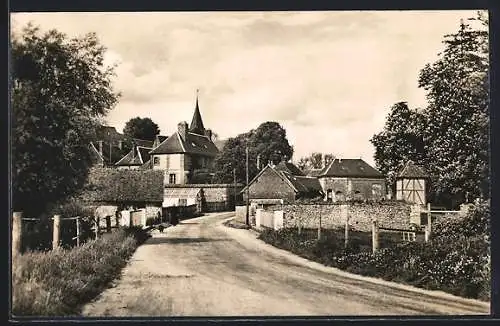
(360, 216)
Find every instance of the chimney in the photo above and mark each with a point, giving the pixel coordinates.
(208, 133)
(182, 129)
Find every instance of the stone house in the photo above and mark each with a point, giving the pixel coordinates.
(111, 190)
(284, 181)
(351, 179)
(188, 150)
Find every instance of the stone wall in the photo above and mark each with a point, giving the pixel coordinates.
(393, 215)
(353, 188)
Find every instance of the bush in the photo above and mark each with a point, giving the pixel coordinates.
(57, 283)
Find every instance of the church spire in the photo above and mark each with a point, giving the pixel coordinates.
(197, 123)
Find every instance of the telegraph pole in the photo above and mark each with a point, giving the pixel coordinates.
(234, 187)
(248, 189)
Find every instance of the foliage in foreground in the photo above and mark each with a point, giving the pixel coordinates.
(57, 283)
(457, 260)
(61, 89)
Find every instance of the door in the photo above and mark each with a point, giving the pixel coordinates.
(136, 217)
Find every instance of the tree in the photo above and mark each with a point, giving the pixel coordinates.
(60, 91)
(400, 140)
(450, 136)
(141, 128)
(457, 86)
(315, 161)
(265, 144)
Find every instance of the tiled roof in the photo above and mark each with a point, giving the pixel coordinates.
(158, 140)
(301, 184)
(412, 170)
(193, 144)
(113, 185)
(143, 143)
(114, 152)
(304, 184)
(354, 168)
(314, 172)
(137, 156)
(290, 168)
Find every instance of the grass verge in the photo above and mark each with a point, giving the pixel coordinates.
(58, 283)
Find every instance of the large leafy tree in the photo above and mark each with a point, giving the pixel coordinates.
(401, 139)
(267, 143)
(457, 131)
(315, 160)
(450, 137)
(141, 128)
(60, 91)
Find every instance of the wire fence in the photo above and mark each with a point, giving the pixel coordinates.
(42, 234)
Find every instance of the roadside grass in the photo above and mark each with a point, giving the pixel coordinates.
(58, 283)
(236, 224)
(456, 260)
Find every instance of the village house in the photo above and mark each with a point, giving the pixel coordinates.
(114, 190)
(185, 152)
(351, 179)
(284, 182)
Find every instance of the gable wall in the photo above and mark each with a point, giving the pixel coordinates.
(270, 186)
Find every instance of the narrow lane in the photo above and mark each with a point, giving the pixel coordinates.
(202, 268)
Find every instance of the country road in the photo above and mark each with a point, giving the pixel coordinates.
(203, 268)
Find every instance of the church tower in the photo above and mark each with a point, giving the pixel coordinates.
(197, 123)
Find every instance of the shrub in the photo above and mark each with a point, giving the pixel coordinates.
(56, 283)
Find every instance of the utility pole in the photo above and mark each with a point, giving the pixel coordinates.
(234, 187)
(248, 190)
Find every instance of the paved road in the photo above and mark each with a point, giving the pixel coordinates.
(202, 268)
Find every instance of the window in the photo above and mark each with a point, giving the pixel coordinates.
(329, 195)
(409, 236)
(156, 161)
(339, 196)
(171, 178)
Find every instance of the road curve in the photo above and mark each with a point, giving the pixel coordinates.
(202, 268)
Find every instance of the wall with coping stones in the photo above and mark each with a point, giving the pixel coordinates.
(392, 215)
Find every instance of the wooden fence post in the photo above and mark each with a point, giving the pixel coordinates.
(16, 233)
(375, 236)
(56, 232)
(78, 232)
(426, 234)
(319, 226)
(96, 223)
(429, 220)
(346, 231)
(299, 218)
(108, 224)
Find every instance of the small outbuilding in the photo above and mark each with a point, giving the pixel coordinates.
(411, 184)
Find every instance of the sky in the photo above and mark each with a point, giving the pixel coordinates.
(329, 78)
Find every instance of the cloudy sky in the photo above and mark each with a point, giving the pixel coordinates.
(329, 78)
